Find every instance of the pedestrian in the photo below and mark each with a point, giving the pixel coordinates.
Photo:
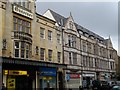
(96, 85)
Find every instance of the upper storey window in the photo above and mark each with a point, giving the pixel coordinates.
(21, 25)
(23, 3)
(72, 41)
(49, 35)
(71, 24)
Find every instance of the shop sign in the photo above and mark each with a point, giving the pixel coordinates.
(74, 75)
(47, 78)
(11, 83)
(47, 72)
(88, 75)
(15, 72)
(67, 76)
(23, 12)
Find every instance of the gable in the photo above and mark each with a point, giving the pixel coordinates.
(70, 24)
(49, 15)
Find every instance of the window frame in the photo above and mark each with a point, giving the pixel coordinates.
(42, 33)
(50, 53)
(49, 35)
(42, 54)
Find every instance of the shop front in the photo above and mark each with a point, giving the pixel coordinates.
(73, 80)
(48, 78)
(18, 78)
(21, 74)
(87, 80)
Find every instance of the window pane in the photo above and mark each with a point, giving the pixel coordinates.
(42, 32)
(28, 5)
(16, 52)
(59, 55)
(22, 53)
(50, 55)
(49, 35)
(21, 25)
(70, 61)
(27, 53)
(58, 38)
(42, 54)
(74, 58)
(15, 26)
(16, 44)
(15, 19)
(22, 45)
(23, 3)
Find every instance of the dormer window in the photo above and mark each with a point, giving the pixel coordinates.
(81, 32)
(85, 34)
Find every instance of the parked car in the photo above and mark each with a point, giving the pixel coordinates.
(116, 88)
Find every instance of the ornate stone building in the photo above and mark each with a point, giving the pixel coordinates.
(30, 53)
(87, 55)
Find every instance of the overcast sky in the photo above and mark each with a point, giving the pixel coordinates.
(99, 17)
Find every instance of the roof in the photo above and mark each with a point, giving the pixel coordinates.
(39, 15)
(79, 27)
(61, 20)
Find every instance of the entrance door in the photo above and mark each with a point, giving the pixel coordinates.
(60, 79)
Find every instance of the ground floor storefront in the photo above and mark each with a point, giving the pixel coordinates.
(21, 74)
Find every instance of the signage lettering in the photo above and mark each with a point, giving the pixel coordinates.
(47, 72)
(74, 75)
(22, 12)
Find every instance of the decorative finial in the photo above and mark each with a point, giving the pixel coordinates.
(70, 14)
(109, 36)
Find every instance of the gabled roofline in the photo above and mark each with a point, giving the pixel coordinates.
(39, 15)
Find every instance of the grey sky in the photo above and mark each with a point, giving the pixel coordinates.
(99, 17)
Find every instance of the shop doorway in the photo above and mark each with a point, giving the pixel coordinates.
(19, 82)
(60, 79)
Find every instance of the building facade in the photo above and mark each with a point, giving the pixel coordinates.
(31, 55)
(87, 55)
(49, 51)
